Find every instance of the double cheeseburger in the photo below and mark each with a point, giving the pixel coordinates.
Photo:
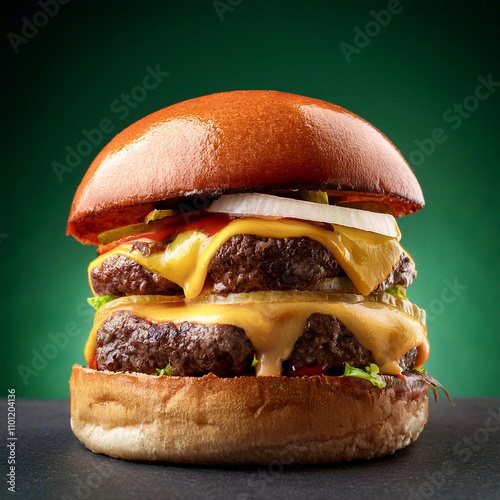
(250, 287)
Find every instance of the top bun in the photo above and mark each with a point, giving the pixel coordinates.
(253, 141)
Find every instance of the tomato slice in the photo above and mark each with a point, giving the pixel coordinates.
(92, 362)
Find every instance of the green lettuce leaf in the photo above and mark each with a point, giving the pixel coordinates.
(421, 370)
(255, 361)
(371, 374)
(165, 371)
(397, 291)
(97, 302)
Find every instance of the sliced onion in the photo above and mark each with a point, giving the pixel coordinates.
(310, 296)
(338, 284)
(142, 299)
(160, 214)
(129, 300)
(274, 206)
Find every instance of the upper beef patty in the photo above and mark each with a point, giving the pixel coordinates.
(244, 263)
(119, 275)
(247, 263)
(403, 274)
(127, 342)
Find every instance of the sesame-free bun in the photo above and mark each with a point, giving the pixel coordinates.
(242, 420)
(243, 141)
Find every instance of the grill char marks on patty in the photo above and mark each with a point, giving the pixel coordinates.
(247, 263)
(129, 343)
(119, 276)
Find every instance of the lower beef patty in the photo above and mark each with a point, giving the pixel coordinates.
(244, 263)
(129, 343)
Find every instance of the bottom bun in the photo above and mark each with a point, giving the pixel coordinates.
(242, 420)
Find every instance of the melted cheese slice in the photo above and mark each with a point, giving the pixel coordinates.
(367, 258)
(388, 331)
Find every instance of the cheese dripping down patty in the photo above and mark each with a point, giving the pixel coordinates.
(386, 326)
(367, 258)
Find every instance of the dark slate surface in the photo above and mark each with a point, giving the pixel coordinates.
(457, 456)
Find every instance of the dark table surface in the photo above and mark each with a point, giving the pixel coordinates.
(457, 456)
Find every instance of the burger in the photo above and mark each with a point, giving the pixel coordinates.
(250, 287)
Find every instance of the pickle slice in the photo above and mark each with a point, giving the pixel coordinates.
(130, 300)
(154, 221)
(313, 196)
(132, 230)
(160, 214)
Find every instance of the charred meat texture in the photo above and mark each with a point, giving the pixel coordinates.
(403, 274)
(327, 342)
(119, 275)
(247, 263)
(244, 263)
(126, 342)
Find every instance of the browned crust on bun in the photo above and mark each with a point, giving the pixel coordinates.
(243, 420)
(243, 141)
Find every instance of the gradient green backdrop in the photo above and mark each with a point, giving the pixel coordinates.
(405, 78)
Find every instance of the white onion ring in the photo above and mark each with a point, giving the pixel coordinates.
(309, 296)
(274, 206)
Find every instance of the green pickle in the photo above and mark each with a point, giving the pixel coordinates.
(314, 196)
(154, 221)
(160, 214)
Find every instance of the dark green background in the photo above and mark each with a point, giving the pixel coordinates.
(427, 59)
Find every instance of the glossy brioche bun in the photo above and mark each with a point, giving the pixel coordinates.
(242, 420)
(244, 141)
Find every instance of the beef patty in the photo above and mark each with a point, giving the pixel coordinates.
(119, 276)
(403, 274)
(129, 343)
(327, 342)
(247, 263)
(244, 263)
